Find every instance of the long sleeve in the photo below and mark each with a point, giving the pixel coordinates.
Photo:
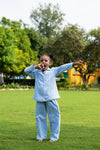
(63, 68)
(30, 71)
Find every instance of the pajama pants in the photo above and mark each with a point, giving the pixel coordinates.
(52, 109)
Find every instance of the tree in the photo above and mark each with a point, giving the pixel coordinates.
(37, 42)
(22, 40)
(91, 56)
(47, 19)
(94, 46)
(15, 51)
(68, 46)
(7, 44)
(74, 44)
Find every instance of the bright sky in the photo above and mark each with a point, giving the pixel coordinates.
(85, 13)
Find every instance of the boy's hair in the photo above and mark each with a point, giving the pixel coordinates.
(49, 55)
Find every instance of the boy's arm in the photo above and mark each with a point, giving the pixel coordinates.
(63, 68)
(67, 66)
(30, 71)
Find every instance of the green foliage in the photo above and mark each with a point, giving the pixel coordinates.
(93, 50)
(91, 56)
(83, 87)
(15, 48)
(98, 85)
(22, 82)
(8, 23)
(68, 46)
(63, 84)
(20, 62)
(7, 45)
(12, 59)
(12, 85)
(35, 39)
(37, 42)
(19, 47)
(15, 86)
(47, 19)
(74, 44)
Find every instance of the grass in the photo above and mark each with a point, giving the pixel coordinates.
(80, 121)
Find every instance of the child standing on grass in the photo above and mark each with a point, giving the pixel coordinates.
(46, 94)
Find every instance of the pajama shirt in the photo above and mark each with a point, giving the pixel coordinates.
(45, 95)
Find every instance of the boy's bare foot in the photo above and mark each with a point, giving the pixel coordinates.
(51, 141)
(39, 140)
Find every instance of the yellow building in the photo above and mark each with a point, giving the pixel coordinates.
(74, 77)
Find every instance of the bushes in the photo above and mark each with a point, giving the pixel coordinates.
(63, 84)
(15, 86)
(29, 82)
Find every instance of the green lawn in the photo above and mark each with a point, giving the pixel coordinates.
(80, 121)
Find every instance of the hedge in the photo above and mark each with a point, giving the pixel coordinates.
(30, 82)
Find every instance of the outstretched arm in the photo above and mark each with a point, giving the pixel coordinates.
(67, 66)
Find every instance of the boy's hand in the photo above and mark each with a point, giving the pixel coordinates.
(39, 66)
(80, 62)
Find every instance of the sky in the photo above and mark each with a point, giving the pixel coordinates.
(85, 13)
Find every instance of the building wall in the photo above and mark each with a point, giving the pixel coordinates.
(75, 79)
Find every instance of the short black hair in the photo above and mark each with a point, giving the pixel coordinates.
(49, 55)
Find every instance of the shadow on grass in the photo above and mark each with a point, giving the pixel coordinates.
(21, 137)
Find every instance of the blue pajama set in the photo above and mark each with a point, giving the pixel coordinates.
(45, 95)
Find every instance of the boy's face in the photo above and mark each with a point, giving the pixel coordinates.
(45, 62)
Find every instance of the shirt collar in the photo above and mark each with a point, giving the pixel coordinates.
(48, 69)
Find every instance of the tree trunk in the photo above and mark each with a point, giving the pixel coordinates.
(85, 81)
(86, 84)
(1, 79)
